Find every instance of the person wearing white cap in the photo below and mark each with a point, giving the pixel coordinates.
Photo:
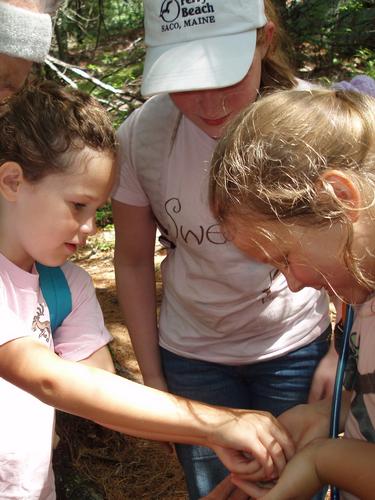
(25, 37)
(230, 332)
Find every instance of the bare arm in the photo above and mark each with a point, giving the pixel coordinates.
(308, 426)
(324, 376)
(311, 421)
(100, 359)
(135, 278)
(141, 411)
(345, 463)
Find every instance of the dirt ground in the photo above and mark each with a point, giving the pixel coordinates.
(92, 462)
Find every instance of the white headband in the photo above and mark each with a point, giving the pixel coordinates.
(24, 33)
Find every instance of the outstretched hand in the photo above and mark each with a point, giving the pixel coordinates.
(307, 422)
(252, 440)
(298, 481)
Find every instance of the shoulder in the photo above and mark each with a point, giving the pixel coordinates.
(156, 108)
(78, 279)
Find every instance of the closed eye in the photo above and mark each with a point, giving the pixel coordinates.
(79, 206)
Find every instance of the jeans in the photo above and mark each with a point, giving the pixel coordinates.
(273, 386)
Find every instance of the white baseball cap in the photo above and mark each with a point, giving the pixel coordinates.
(199, 44)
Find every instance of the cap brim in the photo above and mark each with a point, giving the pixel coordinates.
(199, 64)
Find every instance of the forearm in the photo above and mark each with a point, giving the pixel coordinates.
(347, 464)
(114, 401)
(142, 411)
(135, 278)
(136, 295)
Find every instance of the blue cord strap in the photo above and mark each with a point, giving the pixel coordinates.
(337, 391)
(56, 293)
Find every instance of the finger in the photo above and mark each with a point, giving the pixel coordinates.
(222, 491)
(261, 455)
(256, 476)
(247, 468)
(238, 494)
(252, 489)
(283, 439)
(278, 458)
(280, 448)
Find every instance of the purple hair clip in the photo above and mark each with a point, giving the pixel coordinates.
(360, 83)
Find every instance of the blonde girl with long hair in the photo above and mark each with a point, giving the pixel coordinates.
(293, 185)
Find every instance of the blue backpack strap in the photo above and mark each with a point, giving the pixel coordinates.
(56, 293)
(337, 392)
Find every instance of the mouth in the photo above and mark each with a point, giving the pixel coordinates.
(71, 247)
(214, 122)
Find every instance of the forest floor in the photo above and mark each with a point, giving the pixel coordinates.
(94, 463)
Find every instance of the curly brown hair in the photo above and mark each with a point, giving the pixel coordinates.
(44, 123)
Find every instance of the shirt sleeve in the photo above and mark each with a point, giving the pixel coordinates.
(128, 188)
(12, 327)
(83, 332)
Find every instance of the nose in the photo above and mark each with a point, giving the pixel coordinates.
(293, 284)
(89, 227)
(212, 103)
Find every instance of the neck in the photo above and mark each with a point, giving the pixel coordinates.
(10, 246)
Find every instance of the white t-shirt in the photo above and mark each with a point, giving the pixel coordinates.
(360, 423)
(218, 305)
(27, 424)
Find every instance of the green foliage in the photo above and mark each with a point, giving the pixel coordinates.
(104, 216)
(332, 36)
(104, 38)
(85, 24)
(125, 15)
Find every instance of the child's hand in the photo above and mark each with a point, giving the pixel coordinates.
(248, 441)
(226, 490)
(307, 422)
(298, 481)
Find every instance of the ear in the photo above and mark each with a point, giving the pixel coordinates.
(269, 30)
(345, 190)
(11, 178)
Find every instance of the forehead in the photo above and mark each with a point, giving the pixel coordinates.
(88, 171)
(265, 240)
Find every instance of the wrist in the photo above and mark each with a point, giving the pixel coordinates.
(319, 447)
(325, 451)
(214, 422)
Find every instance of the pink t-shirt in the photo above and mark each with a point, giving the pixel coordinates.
(27, 424)
(218, 305)
(360, 375)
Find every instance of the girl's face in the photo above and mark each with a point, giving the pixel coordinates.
(306, 256)
(54, 216)
(212, 109)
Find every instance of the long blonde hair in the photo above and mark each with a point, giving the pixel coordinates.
(269, 163)
(277, 69)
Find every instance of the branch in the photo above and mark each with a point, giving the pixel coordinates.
(52, 61)
(60, 74)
